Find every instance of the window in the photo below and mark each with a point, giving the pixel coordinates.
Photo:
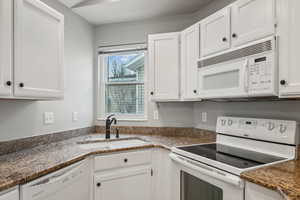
(122, 87)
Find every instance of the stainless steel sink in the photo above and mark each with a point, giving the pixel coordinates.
(102, 144)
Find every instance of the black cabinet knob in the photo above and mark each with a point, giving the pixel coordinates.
(224, 39)
(125, 160)
(21, 85)
(195, 91)
(282, 82)
(234, 35)
(98, 184)
(151, 93)
(8, 83)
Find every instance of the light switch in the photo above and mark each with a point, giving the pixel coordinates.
(48, 118)
(155, 115)
(75, 116)
(204, 116)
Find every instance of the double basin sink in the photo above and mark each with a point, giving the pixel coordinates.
(100, 143)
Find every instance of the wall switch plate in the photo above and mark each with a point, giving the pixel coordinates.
(204, 116)
(48, 118)
(75, 116)
(155, 115)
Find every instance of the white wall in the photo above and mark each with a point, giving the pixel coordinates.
(20, 119)
(132, 32)
(170, 114)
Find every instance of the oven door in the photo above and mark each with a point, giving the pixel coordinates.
(224, 80)
(196, 181)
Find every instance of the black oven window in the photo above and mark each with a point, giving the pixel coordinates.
(193, 188)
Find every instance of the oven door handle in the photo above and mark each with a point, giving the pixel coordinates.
(206, 170)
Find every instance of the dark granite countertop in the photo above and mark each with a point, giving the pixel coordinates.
(26, 165)
(283, 178)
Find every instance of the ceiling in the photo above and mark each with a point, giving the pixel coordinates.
(112, 11)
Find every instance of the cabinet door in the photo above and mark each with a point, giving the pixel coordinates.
(130, 184)
(39, 43)
(256, 192)
(164, 66)
(289, 42)
(6, 21)
(190, 46)
(11, 195)
(215, 32)
(252, 20)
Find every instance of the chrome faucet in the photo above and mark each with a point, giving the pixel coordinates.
(109, 120)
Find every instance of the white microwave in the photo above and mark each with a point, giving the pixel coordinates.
(247, 72)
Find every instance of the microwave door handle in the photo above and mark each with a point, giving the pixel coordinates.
(246, 76)
(236, 181)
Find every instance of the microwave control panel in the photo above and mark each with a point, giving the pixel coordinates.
(261, 73)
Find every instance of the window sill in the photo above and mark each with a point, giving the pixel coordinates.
(127, 120)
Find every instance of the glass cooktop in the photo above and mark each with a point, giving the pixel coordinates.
(232, 156)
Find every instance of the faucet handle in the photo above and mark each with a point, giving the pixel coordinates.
(109, 116)
(117, 133)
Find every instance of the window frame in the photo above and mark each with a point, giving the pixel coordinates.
(101, 88)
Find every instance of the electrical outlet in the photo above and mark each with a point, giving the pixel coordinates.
(155, 115)
(75, 116)
(204, 116)
(48, 118)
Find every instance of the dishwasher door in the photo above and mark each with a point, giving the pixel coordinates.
(71, 183)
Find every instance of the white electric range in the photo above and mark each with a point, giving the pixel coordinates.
(211, 171)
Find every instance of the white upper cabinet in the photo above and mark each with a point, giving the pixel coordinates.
(190, 40)
(215, 32)
(289, 42)
(164, 65)
(252, 20)
(6, 28)
(39, 47)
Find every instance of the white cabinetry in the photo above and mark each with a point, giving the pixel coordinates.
(31, 50)
(256, 192)
(289, 43)
(126, 176)
(130, 184)
(6, 28)
(10, 195)
(162, 176)
(252, 20)
(39, 44)
(164, 65)
(190, 46)
(215, 32)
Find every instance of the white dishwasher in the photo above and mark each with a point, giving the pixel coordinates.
(71, 183)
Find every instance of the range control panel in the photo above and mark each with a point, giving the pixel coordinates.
(279, 131)
(261, 73)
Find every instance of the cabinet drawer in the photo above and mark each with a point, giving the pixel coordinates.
(122, 160)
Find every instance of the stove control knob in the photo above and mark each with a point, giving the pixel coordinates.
(223, 122)
(271, 126)
(282, 128)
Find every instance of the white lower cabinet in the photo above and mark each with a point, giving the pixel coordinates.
(162, 176)
(10, 195)
(128, 184)
(126, 176)
(256, 192)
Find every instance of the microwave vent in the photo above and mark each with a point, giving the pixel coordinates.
(240, 53)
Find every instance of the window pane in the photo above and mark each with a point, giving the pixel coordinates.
(125, 99)
(126, 67)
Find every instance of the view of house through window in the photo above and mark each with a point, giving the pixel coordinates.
(124, 84)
